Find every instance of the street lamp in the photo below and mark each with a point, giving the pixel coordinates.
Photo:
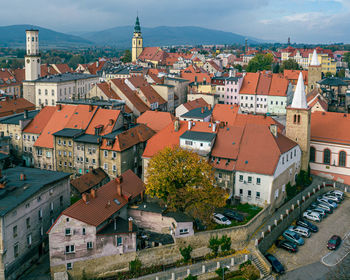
(223, 271)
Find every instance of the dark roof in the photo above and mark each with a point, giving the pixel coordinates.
(14, 119)
(178, 216)
(122, 226)
(65, 77)
(4, 156)
(68, 132)
(16, 191)
(177, 79)
(197, 113)
(150, 207)
(89, 180)
(158, 237)
(87, 138)
(332, 81)
(197, 135)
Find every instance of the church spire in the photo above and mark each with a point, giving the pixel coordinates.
(137, 28)
(314, 61)
(299, 98)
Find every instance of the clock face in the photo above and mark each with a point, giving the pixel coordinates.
(28, 60)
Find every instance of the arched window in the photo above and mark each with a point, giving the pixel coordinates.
(342, 158)
(312, 154)
(326, 156)
(298, 118)
(295, 118)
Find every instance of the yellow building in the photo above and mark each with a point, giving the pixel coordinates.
(328, 64)
(137, 41)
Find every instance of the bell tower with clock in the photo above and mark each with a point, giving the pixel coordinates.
(137, 41)
(32, 57)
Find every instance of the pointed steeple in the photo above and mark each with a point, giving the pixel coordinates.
(314, 60)
(137, 28)
(299, 98)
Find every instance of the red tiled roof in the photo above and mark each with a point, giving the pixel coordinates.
(330, 127)
(153, 54)
(89, 180)
(156, 120)
(19, 74)
(250, 83)
(105, 117)
(37, 125)
(264, 83)
(15, 106)
(191, 74)
(293, 76)
(279, 85)
(225, 113)
(96, 66)
(111, 94)
(200, 102)
(129, 138)
(63, 68)
(103, 206)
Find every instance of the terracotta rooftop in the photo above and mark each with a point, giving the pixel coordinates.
(14, 106)
(156, 120)
(89, 180)
(200, 102)
(37, 125)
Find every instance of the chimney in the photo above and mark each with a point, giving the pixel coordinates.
(202, 110)
(93, 193)
(119, 181)
(209, 107)
(130, 223)
(2, 186)
(176, 125)
(25, 114)
(91, 169)
(110, 122)
(22, 177)
(59, 107)
(214, 127)
(189, 125)
(85, 198)
(115, 224)
(273, 129)
(91, 108)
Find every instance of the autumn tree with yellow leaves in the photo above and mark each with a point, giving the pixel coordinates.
(184, 182)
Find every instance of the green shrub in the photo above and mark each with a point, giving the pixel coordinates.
(220, 271)
(191, 277)
(186, 253)
(248, 262)
(225, 243)
(214, 245)
(135, 267)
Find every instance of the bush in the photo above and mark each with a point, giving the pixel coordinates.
(248, 262)
(220, 271)
(135, 267)
(186, 253)
(214, 244)
(225, 243)
(250, 272)
(191, 277)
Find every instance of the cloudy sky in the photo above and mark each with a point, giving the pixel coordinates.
(305, 21)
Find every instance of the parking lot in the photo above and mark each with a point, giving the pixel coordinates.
(315, 247)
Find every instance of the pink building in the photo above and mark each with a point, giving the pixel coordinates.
(232, 87)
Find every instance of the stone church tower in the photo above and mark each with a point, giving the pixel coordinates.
(137, 42)
(32, 64)
(298, 122)
(314, 72)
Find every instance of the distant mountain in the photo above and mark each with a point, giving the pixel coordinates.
(14, 36)
(165, 36)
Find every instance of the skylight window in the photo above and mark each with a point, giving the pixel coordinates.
(117, 201)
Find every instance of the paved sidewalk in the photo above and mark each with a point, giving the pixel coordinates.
(335, 257)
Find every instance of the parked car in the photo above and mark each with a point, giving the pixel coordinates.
(328, 208)
(306, 224)
(276, 265)
(313, 216)
(328, 202)
(332, 197)
(287, 245)
(221, 219)
(334, 242)
(300, 230)
(319, 210)
(337, 193)
(293, 237)
(199, 225)
(231, 214)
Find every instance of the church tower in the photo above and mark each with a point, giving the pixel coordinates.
(314, 72)
(32, 57)
(298, 122)
(137, 42)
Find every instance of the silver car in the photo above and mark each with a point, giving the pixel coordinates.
(300, 230)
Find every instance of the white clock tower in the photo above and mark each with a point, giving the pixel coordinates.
(32, 57)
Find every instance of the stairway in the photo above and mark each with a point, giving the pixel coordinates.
(260, 266)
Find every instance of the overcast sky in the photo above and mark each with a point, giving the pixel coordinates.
(308, 21)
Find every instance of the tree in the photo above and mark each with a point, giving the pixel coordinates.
(290, 64)
(127, 56)
(346, 58)
(221, 271)
(75, 60)
(225, 243)
(135, 267)
(341, 73)
(260, 62)
(186, 253)
(328, 74)
(238, 67)
(191, 277)
(214, 244)
(184, 182)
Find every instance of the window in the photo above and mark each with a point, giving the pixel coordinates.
(93, 161)
(106, 153)
(258, 181)
(52, 92)
(87, 160)
(64, 142)
(70, 249)
(15, 250)
(183, 231)
(39, 91)
(89, 245)
(14, 231)
(119, 241)
(51, 206)
(240, 191)
(342, 158)
(312, 154)
(28, 222)
(61, 200)
(29, 240)
(40, 214)
(69, 266)
(114, 154)
(249, 193)
(114, 168)
(105, 166)
(41, 231)
(257, 194)
(241, 178)
(84, 231)
(249, 179)
(188, 142)
(326, 156)
(45, 91)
